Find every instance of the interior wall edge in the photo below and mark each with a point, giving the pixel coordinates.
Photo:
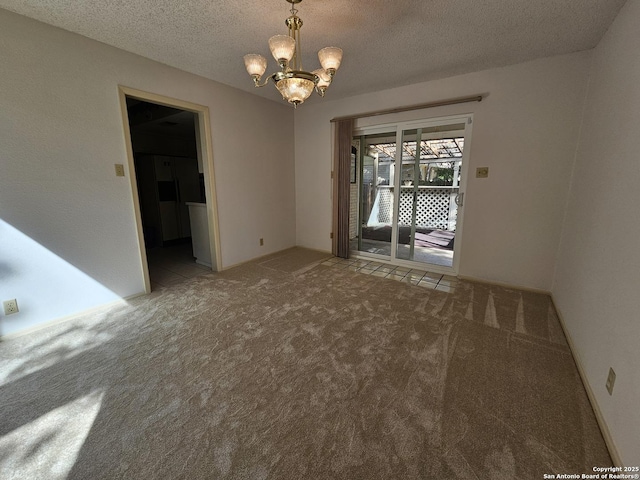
(570, 187)
(602, 423)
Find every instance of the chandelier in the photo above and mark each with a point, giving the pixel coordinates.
(294, 83)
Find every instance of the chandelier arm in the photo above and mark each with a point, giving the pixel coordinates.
(257, 84)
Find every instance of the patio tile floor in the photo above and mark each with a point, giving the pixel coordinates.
(421, 278)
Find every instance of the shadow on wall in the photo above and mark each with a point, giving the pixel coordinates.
(6, 271)
(46, 286)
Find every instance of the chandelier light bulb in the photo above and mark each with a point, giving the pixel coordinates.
(324, 80)
(330, 58)
(256, 64)
(282, 48)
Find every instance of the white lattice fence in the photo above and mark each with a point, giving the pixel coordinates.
(435, 207)
(386, 205)
(432, 209)
(353, 211)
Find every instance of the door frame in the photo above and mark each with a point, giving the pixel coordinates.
(204, 151)
(398, 128)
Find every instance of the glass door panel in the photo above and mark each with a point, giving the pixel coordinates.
(375, 161)
(430, 164)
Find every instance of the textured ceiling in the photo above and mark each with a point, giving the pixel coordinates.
(386, 43)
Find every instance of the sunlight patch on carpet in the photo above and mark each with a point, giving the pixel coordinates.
(48, 446)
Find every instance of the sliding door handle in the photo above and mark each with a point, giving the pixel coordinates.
(459, 199)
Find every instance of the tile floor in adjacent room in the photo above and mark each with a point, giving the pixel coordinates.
(427, 255)
(422, 278)
(174, 264)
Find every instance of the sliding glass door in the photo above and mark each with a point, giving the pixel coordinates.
(410, 198)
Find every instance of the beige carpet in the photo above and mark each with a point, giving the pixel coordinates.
(276, 370)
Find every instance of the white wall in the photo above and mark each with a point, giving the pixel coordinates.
(525, 131)
(60, 202)
(597, 282)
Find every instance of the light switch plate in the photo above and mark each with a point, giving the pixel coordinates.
(119, 170)
(611, 381)
(482, 172)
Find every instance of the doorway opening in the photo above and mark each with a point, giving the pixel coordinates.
(407, 191)
(171, 181)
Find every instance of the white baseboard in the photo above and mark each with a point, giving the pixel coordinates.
(604, 428)
(505, 285)
(66, 318)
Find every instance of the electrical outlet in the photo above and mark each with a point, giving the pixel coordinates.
(611, 380)
(10, 306)
(261, 242)
(119, 170)
(482, 172)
